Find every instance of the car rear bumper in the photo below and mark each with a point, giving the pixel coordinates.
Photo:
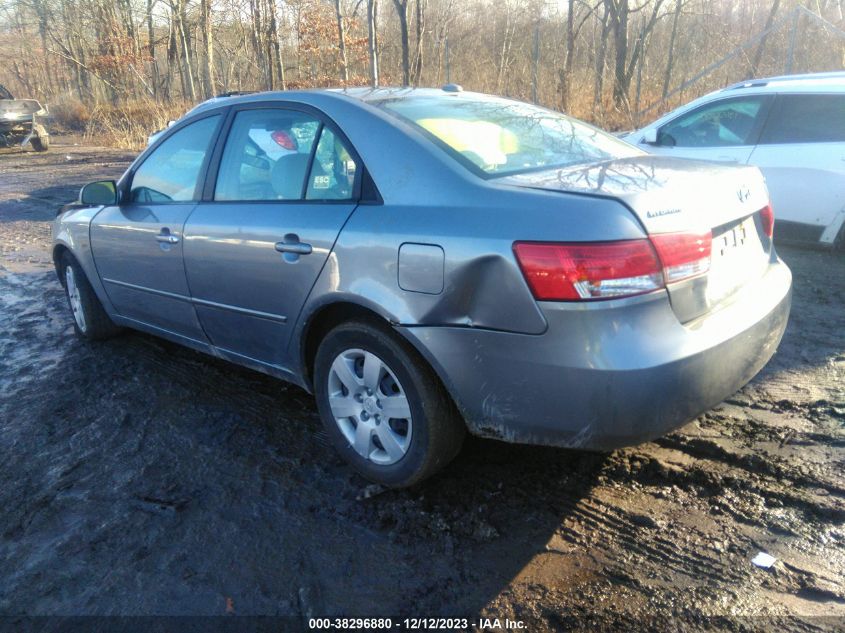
(608, 374)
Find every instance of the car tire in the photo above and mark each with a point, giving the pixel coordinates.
(40, 143)
(89, 318)
(396, 452)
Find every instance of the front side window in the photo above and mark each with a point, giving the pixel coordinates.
(171, 172)
(725, 123)
(266, 156)
(503, 137)
(806, 119)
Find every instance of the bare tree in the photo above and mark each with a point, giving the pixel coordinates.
(372, 40)
(755, 64)
(208, 46)
(341, 43)
(402, 12)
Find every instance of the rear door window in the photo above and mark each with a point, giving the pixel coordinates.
(813, 118)
(723, 123)
(267, 155)
(170, 173)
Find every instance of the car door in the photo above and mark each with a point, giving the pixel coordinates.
(137, 245)
(802, 155)
(724, 130)
(285, 185)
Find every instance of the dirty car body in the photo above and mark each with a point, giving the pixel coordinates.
(22, 121)
(591, 303)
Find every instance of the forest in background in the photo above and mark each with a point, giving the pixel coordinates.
(121, 68)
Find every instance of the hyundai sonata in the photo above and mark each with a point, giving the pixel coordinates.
(430, 262)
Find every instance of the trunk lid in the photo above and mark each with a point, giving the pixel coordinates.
(669, 195)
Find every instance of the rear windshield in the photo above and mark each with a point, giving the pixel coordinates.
(501, 137)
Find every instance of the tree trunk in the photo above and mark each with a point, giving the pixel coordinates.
(276, 43)
(619, 18)
(418, 62)
(670, 55)
(208, 46)
(179, 16)
(601, 57)
(151, 48)
(566, 75)
(341, 43)
(371, 41)
(402, 11)
(758, 56)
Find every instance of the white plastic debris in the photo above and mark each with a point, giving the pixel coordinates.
(763, 560)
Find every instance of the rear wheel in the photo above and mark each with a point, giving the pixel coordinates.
(89, 318)
(382, 406)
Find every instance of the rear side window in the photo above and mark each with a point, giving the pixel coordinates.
(267, 155)
(723, 123)
(170, 173)
(806, 119)
(333, 171)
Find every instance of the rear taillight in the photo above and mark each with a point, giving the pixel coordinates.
(767, 217)
(683, 255)
(593, 270)
(609, 270)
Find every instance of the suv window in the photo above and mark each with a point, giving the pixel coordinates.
(722, 123)
(171, 172)
(333, 171)
(806, 119)
(266, 156)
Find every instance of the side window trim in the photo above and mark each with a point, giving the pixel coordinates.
(324, 121)
(311, 157)
(756, 131)
(126, 186)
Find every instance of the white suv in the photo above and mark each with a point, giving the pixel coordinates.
(791, 127)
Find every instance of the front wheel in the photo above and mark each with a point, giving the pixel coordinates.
(382, 406)
(89, 318)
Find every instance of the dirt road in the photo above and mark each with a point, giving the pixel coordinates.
(137, 477)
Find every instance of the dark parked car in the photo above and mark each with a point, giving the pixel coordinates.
(22, 121)
(434, 261)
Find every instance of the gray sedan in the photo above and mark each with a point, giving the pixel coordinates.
(431, 262)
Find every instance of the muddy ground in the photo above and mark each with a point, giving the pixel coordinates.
(138, 477)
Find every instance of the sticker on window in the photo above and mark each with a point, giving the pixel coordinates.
(322, 182)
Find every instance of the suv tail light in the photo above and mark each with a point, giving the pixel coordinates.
(608, 270)
(767, 217)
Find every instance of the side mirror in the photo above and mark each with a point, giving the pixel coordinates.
(650, 136)
(103, 192)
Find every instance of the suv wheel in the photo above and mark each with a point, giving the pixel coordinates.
(382, 406)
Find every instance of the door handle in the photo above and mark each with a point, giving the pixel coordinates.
(297, 248)
(167, 238)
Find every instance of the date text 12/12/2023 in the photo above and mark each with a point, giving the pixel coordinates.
(416, 624)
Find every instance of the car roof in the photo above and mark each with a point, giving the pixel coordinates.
(361, 94)
(812, 82)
